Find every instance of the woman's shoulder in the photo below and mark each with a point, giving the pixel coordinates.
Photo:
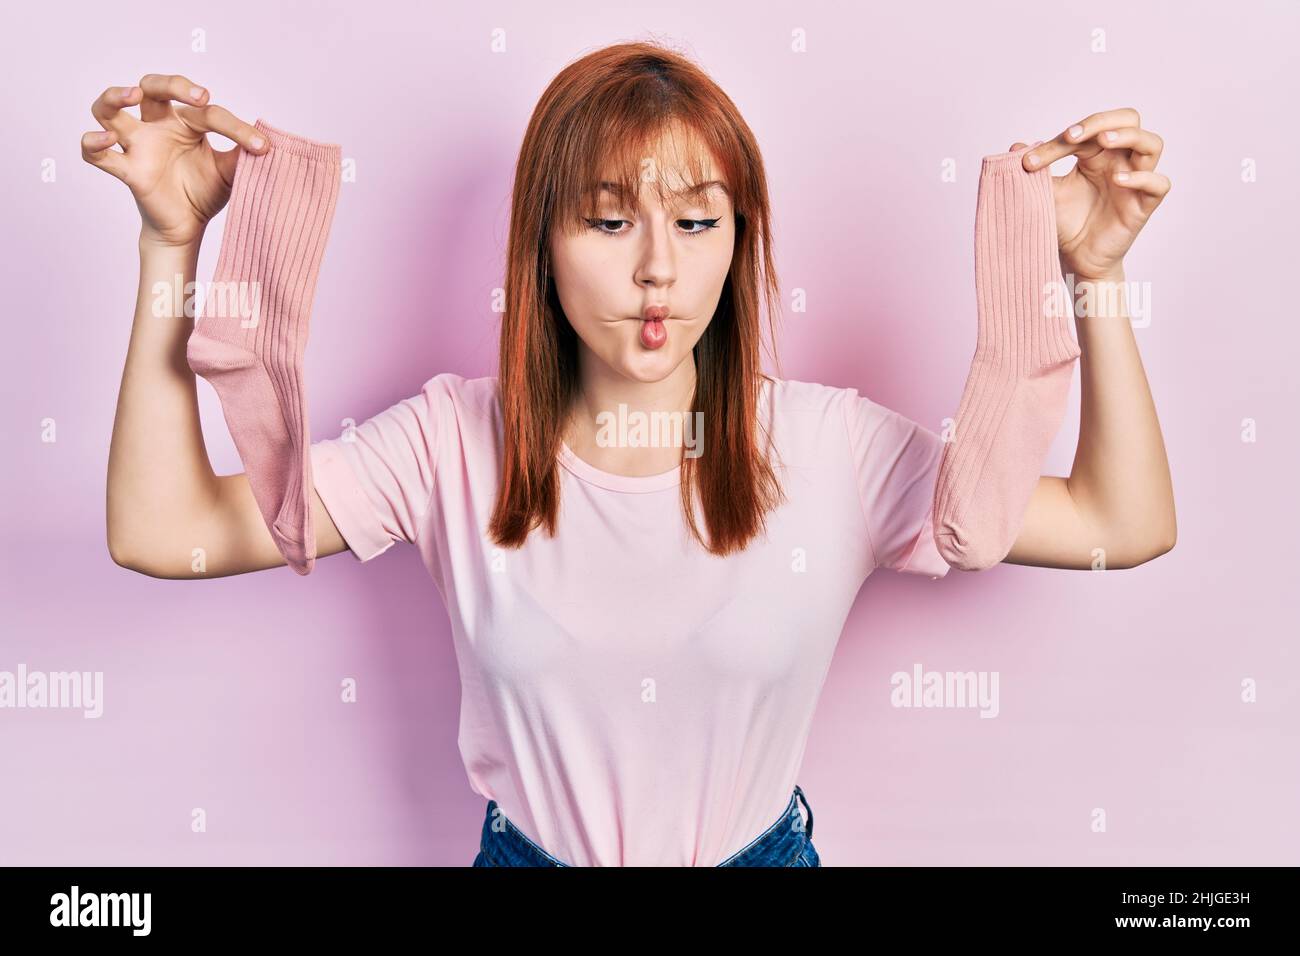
(451, 391)
(793, 396)
(804, 419)
(797, 392)
(808, 417)
(805, 398)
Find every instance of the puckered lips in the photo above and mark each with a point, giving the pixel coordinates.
(653, 332)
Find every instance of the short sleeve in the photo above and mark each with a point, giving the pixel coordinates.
(376, 479)
(896, 463)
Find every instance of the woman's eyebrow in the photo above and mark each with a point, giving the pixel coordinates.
(700, 188)
(690, 192)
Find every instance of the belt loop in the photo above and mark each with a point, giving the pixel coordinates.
(798, 792)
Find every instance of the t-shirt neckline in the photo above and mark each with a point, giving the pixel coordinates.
(634, 483)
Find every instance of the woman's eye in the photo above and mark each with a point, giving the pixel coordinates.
(609, 227)
(600, 224)
(707, 224)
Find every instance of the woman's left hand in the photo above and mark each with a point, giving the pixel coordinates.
(1106, 199)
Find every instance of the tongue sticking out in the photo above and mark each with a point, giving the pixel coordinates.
(653, 333)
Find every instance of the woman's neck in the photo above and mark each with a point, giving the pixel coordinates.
(631, 440)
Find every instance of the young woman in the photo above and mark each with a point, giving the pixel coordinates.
(642, 630)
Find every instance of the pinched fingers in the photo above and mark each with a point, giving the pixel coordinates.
(1077, 139)
(1145, 146)
(107, 109)
(96, 149)
(218, 119)
(161, 88)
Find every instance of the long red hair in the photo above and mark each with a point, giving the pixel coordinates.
(611, 106)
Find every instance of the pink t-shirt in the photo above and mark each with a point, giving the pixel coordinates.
(627, 698)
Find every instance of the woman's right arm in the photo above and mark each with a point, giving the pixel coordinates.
(168, 514)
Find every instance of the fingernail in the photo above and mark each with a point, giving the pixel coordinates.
(257, 142)
(196, 92)
(1111, 136)
(1122, 177)
(1033, 160)
(1076, 131)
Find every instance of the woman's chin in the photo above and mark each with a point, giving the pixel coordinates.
(649, 365)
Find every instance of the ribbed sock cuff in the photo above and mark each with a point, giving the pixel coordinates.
(299, 145)
(1025, 320)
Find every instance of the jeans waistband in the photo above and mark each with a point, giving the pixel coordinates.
(503, 844)
(782, 842)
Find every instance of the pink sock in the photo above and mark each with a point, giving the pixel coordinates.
(250, 346)
(1019, 382)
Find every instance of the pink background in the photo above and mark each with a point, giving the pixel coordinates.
(1119, 690)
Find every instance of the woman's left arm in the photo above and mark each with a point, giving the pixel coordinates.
(1116, 508)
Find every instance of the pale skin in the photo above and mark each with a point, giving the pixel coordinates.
(606, 276)
(164, 499)
(1119, 495)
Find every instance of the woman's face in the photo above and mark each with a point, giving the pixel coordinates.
(639, 252)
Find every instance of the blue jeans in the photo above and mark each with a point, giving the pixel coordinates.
(787, 842)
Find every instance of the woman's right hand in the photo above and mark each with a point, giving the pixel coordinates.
(178, 180)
